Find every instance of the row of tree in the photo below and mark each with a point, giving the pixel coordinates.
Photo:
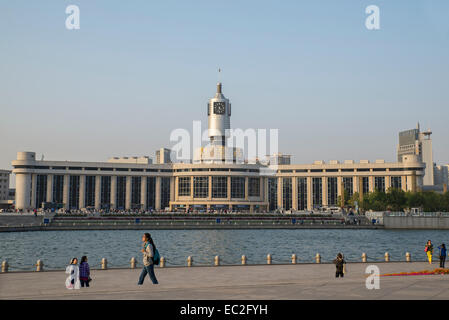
(398, 200)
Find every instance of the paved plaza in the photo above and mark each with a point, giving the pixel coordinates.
(300, 281)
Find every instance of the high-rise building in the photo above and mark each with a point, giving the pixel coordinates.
(163, 156)
(5, 201)
(4, 184)
(415, 142)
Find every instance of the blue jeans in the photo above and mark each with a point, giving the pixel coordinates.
(150, 270)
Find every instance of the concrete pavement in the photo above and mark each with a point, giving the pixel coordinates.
(301, 281)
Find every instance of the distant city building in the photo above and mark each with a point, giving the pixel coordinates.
(4, 184)
(163, 155)
(279, 159)
(5, 199)
(441, 174)
(209, 183)
(415, 142)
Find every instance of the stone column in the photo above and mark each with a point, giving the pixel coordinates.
(404, 183)
(209, 188)
(309, 194)
(65, 191)
(339, 186)
(128, 190)
(97, 192)
(113, 192)
(49, 196)
(371, 183)
(176, 188)
(229, 188)
(324, 202)
(82, 191)
(294, 193)
(262, 188)
(143, 193)
(355, 184)
(279, 193)
(387, 182)
(172, 191)
(246, 188)
(33, 190)
(23, 190)
(158, 194)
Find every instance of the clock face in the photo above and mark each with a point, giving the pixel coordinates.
(219, 107)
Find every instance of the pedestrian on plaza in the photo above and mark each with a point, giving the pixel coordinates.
(339, 265)
(148, 264)
(429, 250)
(84, 272)
(72, 281)
(443, 254)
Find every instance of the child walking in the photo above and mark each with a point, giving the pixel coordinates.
(339, 264)
(429, 250)
(84, 272)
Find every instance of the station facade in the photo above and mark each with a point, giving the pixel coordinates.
(205, 184)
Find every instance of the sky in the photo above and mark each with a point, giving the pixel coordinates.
(135, 71)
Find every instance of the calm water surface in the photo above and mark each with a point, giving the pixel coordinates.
(55, 248)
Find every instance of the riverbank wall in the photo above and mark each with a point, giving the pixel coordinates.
(177, 222)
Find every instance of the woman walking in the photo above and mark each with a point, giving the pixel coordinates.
(148, 254)
(84, 272)
(72, 281)
(443, 254)
(429, 250)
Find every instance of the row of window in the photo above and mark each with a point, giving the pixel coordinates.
(317, 190)
(216, 169)
(135, 169)
(105, 191)
(219, 187)
(349, 170)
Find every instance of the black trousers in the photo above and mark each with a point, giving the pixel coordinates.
(84, 282)
(339, 274)
(442, 261)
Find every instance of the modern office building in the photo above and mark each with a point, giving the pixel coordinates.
(4, 184)
(415, 142)
(5, 200)
(163, 155)
(441, 174)
(123, 184)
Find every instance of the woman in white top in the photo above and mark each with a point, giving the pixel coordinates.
(73, 281)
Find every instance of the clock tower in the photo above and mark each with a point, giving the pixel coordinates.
(219, 117)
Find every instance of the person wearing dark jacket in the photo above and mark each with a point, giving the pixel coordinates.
(443, 254)
(84, 272)
(339, 264)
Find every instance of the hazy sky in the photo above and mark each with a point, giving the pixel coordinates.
(137, 70)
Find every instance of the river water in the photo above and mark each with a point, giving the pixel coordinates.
(56, 248)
